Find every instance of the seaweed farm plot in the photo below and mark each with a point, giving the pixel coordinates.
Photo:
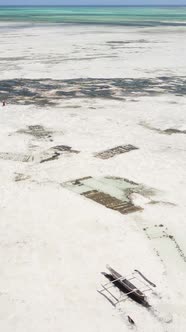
(115, 151)
(15, 157)
(37, 131)
(51, 154)
(114, 193)
(55, 152)
(164, 242)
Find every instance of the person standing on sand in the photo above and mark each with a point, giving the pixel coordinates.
(4, 103)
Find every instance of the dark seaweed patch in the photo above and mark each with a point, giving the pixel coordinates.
(54, 157)
(64, 148)
(20, 58)
(55, 152)
(15, 157)
(50, 92)
(169, 131)
(36, 131)
(102, 191)
(110, 153)
(141, 41)
(112, 202)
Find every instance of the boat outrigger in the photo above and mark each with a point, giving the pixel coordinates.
(125, 285)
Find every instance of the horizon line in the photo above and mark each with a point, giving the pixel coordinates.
(57, 5)
(91, 5)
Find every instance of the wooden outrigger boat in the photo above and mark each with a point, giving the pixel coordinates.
(126, 286)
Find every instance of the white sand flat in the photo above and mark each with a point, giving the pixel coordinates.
(54, 242)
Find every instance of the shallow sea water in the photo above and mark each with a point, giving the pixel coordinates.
(129, 16)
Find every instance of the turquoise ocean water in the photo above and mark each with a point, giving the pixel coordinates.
(130, 16)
